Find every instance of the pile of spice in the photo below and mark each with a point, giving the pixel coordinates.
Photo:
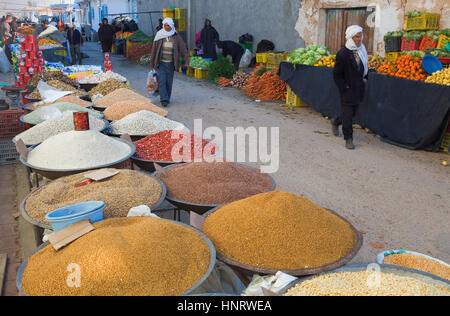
(39, 133)
(364, 284)
(120, 193)
(47, 76)
(99, 78)
(121, 109)
(67, 99)
(36, 117)
(143, 123)
(123, 257)
(411, 261)
(279, 230)
(214, 183)
(35, 95)
(119, 95)
(159, 147)
(78, 150)
(108, 86)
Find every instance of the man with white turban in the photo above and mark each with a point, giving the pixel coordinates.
(352, 66)
(168, 46)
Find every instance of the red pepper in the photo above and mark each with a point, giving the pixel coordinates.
(158, 147)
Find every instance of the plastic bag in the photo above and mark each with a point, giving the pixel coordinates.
(152, 83)
(275, 283)
(141, 211)
(50, 94)
(5, 66)
(246, 59)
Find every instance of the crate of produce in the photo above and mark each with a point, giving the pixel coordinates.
(427, 43)
(248, 45)
(261, 58)
(426, 21)
(445, 145)
(409, 45)
(392, 56)
(274, 60)
(10, 124)
(8, 152)
(180, 13)
(444, 60)
(393, 44)
(190, 71)
(201, 74)
(293, 100)
(168, 13)
(443, 41)
(181, 25)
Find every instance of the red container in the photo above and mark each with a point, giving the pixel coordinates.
(32, 55)
(408, 45)
(23, 70)
(427, 43)
(29, 47)
(31, 39)
(26, 77)
(36, 63)
(444, 60)
(29, 63)
(81, 121)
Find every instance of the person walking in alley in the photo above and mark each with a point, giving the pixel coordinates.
(7, 35)
(168, 46)
(209, 39)
(106, 34)
(234, 50)
(350, 70)
(75, 41)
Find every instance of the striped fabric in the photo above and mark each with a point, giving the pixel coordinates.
(167, 50)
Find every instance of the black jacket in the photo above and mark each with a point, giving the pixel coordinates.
(74, 38)
(230, 48)
(106, 33)
(348, 78)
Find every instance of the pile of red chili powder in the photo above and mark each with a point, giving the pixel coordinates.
(161, 146)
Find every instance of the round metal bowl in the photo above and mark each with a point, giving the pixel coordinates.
(53, 174)
(400, 271)
(212, 262)
(106, 126)
(23, 120)
(88, 86)
(201, 208)
(99, 108)
(250, 270)
(28, 218)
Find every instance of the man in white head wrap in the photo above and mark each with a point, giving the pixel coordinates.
(352, 66)
(168, 46)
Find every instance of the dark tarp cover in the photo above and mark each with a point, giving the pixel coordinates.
(403, 112)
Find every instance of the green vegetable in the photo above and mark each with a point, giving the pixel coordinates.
(414, 53)
(309, 56)
(414, 35)
(413, 14)
(221, 68)
(140, 36)
(262, 70)
(198, 62)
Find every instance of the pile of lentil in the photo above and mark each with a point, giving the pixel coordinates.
(279, 230)
(120, 110)
(120, 193)
(118, 96)
(106, 87)
(78, 150)
(214, 183)
(158, 147)
(35, 116)
(143, 123)
(39, 133)
(123, 257)
(47, 76)
(357, 284)
(67, 99)
(60, 86)
(419, 263)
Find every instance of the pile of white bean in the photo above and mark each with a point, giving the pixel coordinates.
(39, 133)
(99, 78)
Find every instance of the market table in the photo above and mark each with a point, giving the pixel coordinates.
(406, 113)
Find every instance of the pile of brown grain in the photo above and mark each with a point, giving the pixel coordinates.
(214, 183)
(120, 109)
(67, 99)
(118, 96)
(419, 263)
(120, 193)
(122, 257)
(279, 230)
(106, 87)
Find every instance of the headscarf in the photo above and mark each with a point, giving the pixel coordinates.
(206, 23)
(162, 34)
(361, 49)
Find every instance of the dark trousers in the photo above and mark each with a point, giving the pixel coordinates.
(346, 119)
(165, 74)
(75, 52)
(237, 60)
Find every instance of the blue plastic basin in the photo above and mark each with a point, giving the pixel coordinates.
(207, 59)
(431, 64)
(66, 216)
